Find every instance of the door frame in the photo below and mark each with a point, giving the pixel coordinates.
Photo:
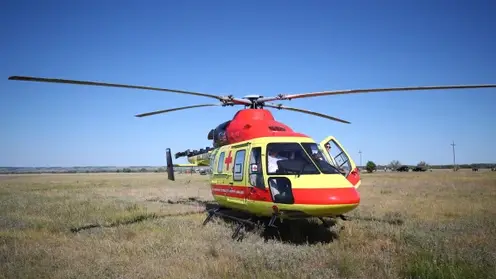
(353, 174)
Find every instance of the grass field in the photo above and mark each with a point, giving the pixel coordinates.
(409, 225)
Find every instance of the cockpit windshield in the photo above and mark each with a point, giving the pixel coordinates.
(291, 158)
(317, 155)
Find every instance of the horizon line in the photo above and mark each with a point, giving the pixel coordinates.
(158, 166)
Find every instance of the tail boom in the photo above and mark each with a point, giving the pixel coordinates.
(196, 158)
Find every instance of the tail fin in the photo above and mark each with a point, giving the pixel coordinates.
(170, 166)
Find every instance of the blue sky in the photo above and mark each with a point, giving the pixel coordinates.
(240, 48)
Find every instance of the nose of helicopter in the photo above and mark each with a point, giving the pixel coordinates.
(327, 196)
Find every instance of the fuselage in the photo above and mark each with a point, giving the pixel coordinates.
(240, 179)
(308, 179)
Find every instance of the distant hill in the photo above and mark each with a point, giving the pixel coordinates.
(86, 169)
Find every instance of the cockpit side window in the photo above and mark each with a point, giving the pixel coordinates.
(339, 157)
(296, 161)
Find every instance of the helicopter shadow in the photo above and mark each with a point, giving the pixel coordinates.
(296, 231)
(299, 232)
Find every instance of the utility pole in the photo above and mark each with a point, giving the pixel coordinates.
(454, 160)
(360, 152)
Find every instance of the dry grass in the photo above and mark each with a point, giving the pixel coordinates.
(409, 225)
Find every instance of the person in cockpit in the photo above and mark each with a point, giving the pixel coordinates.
(272, 160)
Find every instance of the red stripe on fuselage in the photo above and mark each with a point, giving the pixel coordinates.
(230, 191)
(313, 196)
(347, 195)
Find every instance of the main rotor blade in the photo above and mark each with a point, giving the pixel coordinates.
(278, 106)
(175, 109)
(370, 90)
(92, 83)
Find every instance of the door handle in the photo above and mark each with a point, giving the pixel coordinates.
(231, 183)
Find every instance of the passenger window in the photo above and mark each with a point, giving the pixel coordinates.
(212, 162)
(220, 163)
(256, 174)
(239, 162)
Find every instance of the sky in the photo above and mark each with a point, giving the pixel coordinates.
(241, 48)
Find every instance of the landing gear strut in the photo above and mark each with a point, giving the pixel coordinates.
(242, 222)
(273, 220)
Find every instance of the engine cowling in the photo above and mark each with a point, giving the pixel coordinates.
(218, 135)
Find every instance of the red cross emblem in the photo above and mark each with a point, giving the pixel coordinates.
(228, 160)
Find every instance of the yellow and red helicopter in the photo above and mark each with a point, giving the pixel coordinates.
(262, 167)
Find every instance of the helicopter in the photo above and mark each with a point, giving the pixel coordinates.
(263, 168)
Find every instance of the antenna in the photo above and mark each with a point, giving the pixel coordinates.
(454, 160)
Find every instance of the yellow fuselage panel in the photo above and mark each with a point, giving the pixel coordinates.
(261, 208)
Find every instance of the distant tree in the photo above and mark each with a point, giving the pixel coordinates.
(371, 166)
(126, 170)
(394, 164)
(142, 170)
(161, 169)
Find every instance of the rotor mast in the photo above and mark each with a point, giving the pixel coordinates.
(254, 103)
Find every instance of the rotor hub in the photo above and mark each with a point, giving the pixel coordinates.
(253, 99)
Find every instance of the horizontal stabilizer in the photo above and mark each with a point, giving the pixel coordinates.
(185, 165)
